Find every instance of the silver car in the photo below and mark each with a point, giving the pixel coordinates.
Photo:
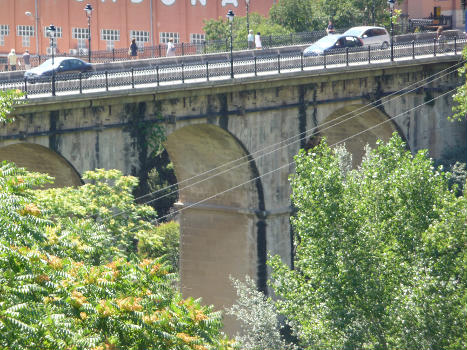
(371, 36)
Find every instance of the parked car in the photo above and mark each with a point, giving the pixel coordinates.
(62, 65)
(332, 43)
(371, 36)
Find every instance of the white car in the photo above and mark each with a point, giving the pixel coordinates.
(371, 36)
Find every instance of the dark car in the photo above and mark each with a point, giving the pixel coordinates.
(332, 43)
(62, 65)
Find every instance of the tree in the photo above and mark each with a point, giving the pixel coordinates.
(258, 317)
(460, 97)
(69, 281)
(219, 30)
(297, 15)
(380, 253)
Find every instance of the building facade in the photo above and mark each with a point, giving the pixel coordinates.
(427, 8)
(112, 24)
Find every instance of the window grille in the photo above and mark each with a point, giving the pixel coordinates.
(24, 30)
(197, 38)
(4, 29)
(79, 33)
(140, 36)
(164, 37)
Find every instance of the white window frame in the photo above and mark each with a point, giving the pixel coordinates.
(79, 33)
(4, 29)
(197, 38)
(140, 36)
(164, 37)
(23, 30)
(110, 36)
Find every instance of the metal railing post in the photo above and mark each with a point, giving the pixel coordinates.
(324, 59)
(256, 68)
(347, 56)
(106, 81)
(183, 49)
(113, 54)
(204, 47)
(455, 45)
(369, 54)
(207, 71)
(132, 78)
(183, 73)
(53, 82)
(301, 61)
(25, 88)
(413, 49)
(160, 51)
(157, 75)
(80, 75)
(279, 64)
(434, 47)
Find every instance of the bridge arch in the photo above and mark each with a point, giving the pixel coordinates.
(221, 235)
(41, 159)
(356, 126)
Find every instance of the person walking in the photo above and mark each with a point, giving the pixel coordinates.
(12, 59)
(251, 40)
(133, 49)
(258, 41)
(330, 28)
(27, 60)
(170, 48)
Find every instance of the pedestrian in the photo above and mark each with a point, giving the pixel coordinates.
(439, 32)
(27, 60)
(330, 28)
(258, 41)
(170, 48)
(12, 59)
(133, 49)
(251, 40)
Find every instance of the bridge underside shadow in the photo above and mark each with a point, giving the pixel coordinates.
(41, 159)
(219, 227)
(356, 126)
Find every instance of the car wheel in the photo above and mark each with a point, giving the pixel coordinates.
(384, 45)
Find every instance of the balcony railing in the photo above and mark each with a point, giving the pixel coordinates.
(176, 73)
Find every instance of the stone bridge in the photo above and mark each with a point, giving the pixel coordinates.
(248, 130)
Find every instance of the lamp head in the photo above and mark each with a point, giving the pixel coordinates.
(51, 30)
(230, 16)
(391, 3)
(247, 2)
(88, 9)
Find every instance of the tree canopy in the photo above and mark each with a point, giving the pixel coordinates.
(70, 277)
(380, 258)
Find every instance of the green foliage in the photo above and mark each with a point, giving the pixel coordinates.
(297, 15)
(220, 30)
(163, 242)
(380, 253)
(8, 99)
(63, 283)
(258, 317)
(460, 97)
(106, 203)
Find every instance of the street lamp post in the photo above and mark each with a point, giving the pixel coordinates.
(51, 31)
(247, 2)
(88, 10)
(230, 16)
(391, 6)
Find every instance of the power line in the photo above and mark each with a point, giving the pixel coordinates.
(292, 162)
(293, 139)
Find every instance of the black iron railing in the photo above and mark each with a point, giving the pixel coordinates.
(176, 73)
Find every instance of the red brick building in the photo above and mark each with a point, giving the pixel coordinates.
(113, 23)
